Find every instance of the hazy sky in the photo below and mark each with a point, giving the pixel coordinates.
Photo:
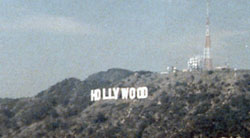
(45, 41)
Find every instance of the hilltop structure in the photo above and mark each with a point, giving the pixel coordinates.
(195, 63)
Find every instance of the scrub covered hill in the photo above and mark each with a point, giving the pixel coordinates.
(181, 104)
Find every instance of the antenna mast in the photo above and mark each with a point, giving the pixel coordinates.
(207, 58)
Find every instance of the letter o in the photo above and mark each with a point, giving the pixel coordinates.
(132, 93)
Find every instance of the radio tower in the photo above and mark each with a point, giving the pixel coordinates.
(207, 58)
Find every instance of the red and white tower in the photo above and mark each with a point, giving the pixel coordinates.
(208, 65)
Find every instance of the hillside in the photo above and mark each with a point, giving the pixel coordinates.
(182, 104)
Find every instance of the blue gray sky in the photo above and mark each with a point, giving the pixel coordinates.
(45, 41)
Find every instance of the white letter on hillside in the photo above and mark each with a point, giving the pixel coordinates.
(95, 95)
(104, 97)
(124, 93)
(132, 93)
(116, 92)
(142, 92)
(109, 97)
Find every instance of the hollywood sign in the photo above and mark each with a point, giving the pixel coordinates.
(115, 93)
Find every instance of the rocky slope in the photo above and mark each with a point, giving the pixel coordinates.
(182, 104)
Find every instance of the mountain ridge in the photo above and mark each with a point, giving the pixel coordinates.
(181, 104)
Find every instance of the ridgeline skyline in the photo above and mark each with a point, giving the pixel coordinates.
(43, 42)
